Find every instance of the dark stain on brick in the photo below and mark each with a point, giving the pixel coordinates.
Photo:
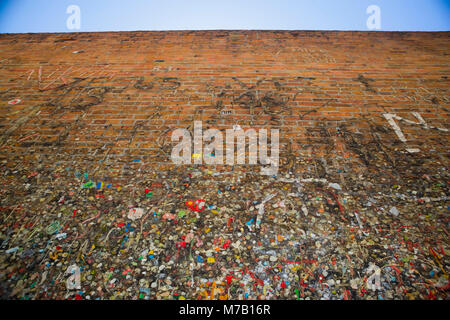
(65, 40)
(38, 143)
(366, 82)
(167, 83)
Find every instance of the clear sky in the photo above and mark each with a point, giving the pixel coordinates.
(128, 15)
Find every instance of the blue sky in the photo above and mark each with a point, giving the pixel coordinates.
(115, 15)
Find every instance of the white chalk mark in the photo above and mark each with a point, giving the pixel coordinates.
(390, 118)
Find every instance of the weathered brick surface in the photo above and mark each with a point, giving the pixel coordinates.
(125, 90)
(94, 102)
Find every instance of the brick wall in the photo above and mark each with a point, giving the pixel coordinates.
(118, 96)
(368, 111)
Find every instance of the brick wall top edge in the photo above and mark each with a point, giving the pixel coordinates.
(218, 33)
